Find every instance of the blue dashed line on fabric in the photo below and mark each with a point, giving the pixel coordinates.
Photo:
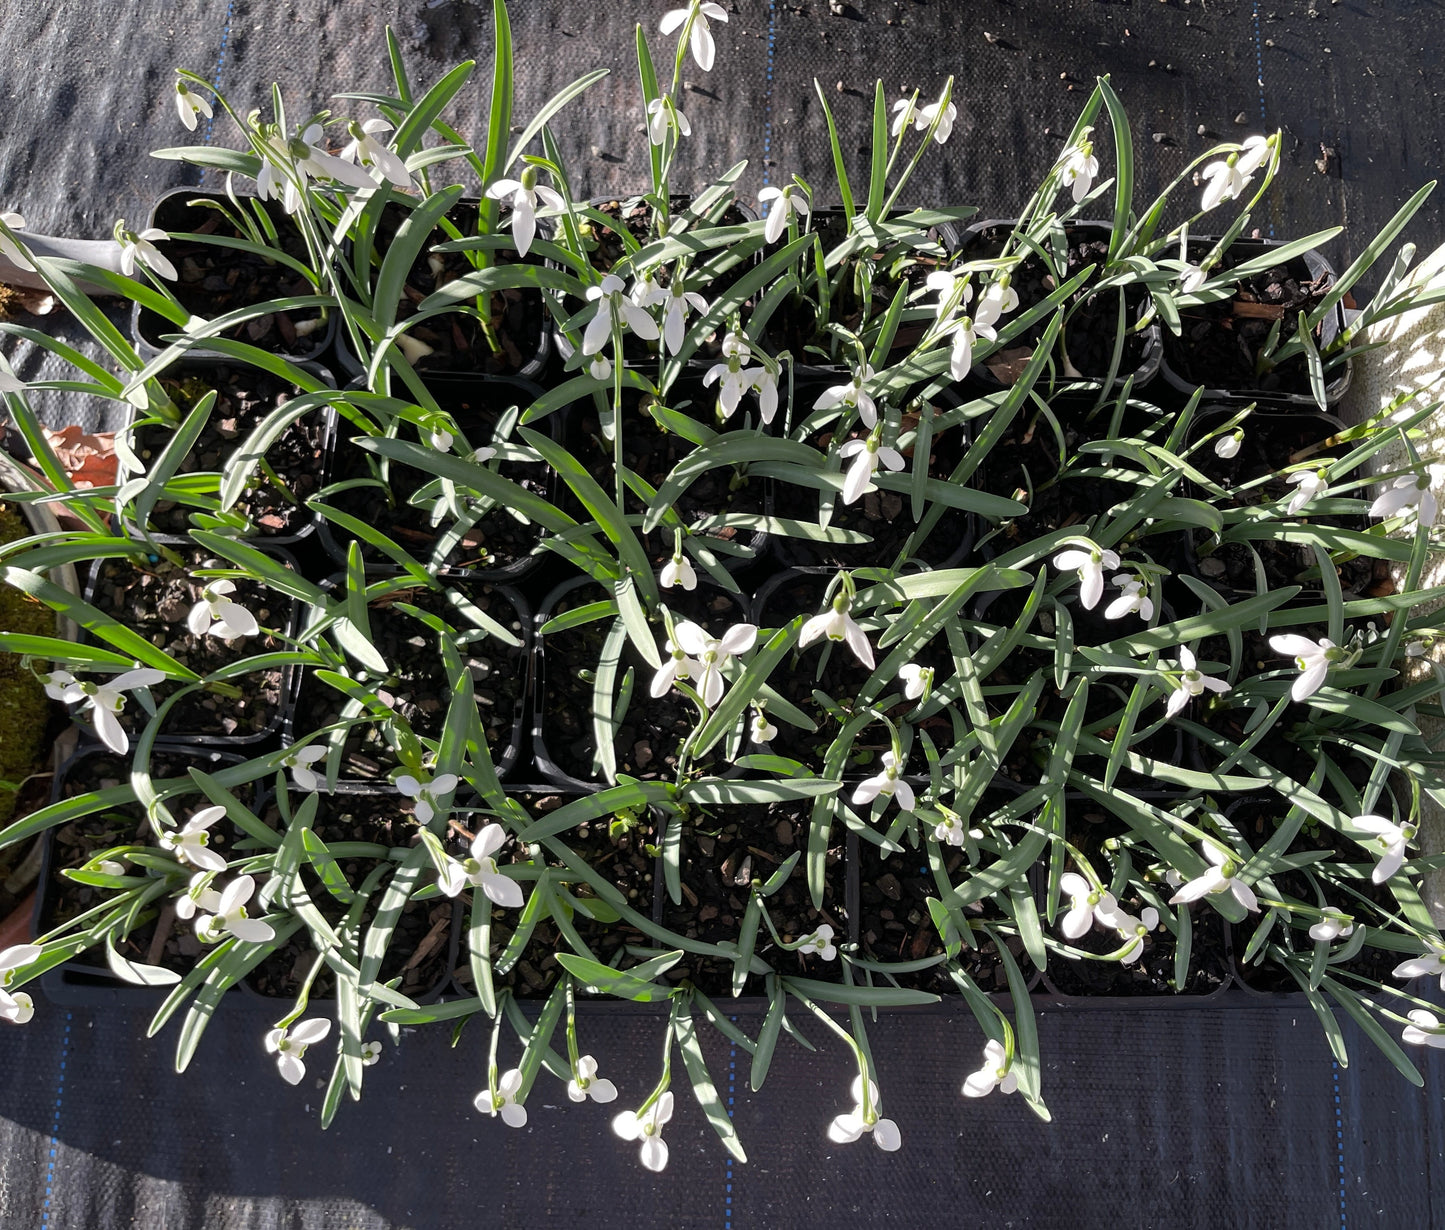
(732, 1086)
(768, 96)
(1259, 81)
(55, 1126)
(1339, 1138)
(220, 63)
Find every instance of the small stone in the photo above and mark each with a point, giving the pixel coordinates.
(1159, 137)
(1241, 118)
(641, 754)
(989, 37)
(1201, 130)
(1212, 567)
(1269, 42)
(889, 886)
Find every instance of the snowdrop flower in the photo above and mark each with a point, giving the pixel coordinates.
(674, 317)
(1191, 277)
(190, 105)
(192, 844)
(1134, 600)
(711, 654)
(1083, 897)
(646, 290)
(1228, 446)
(9, 249)
(846, 1128)
(761, 730)
(866, 455)
(503, 1100)
(289, 1046)
(1229, 178)
(199, 898)
(614, 309)
(287, 163)
(663, 115)
(917, 680)
(1219, 878)
(299, 760)
(735, 380)
(785, 200)
(1190, 682)
(1431, 965)
(820, 943)
(141, 247)
(1313, 659)
(481, 871)
(16, 1007)
(230, 917)
(1254, 154)
(56, 683)
(852, 396)
(886, 783)
(1412, 492)
(965, 338)
(107, 700)
(765, 384)
(678, 571)
(585, 1083)
(217, 615)
(952, 831)
(370, 1054)
(700, 40)
(904, 110)
(1134, 930)
(838, 625)
(998, 298)
(1333, 926)
(675, 666)
(1390, 838)
(1424, 1029)
(993, 1075)
(426, 793)
(1090, 563)
(953, 291)
(600, 368)
(1308, 484)
(369, 149)
(1078, 167)
(647, 1127)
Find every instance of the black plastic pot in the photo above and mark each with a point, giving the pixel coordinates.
(1313, 267)
(174, 212)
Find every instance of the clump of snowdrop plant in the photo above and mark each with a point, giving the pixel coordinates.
(1067, 690)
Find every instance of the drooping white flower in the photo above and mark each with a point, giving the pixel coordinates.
(1134, 600)
(1388, 845)
(1079, 918)
(217, 615)
(675, 665)
(1228, 446)
(287, 163)
(917, 680)
(647, 1127)
(192, 843)
(289, 1046)
(106, 700)
(190, 105)
(9, 249)
(585, 1083)
(866, 455)
(370, 1054)
(664, 116)
(1254, 153)
(785, 200)
(760, 730)
(140, 246)
(16, 1007)
(1190, 682)
(993, 1075)
(838, 625)
(1412, 492)
(1333, 926)
(1078, 167)
(480, 871)
(711, 654)
(299, 760)
(765, 384)
(820, 943)
(1308, 484)
(503, 1101)
(847, 1127)
(852, 396)
(614, 309)
(199, 899)
(56, 683)
(998, 299)
(1313, 658)
(230, 917)
(965, 338)
(1424, 1029)
(426, 794)
(1229, 178)
(887, 783)
(951, 294)
(1090, 563)
(678, 571)
(700, 39)
(524, 194)
(1134, 930)
(1191, 277)
(1431, 965)
(1220, 878)
(368, 148)
(677, 300)
(905, 110)
(951, 829)
(735, 380)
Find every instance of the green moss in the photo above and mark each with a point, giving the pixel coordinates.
(24, 708)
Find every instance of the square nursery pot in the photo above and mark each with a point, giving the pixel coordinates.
(1219, 341)
(499, 544)
(158, 937)
(251, 406)
(154, 596)
(217, 276)
(416, 685)
(1089, 338)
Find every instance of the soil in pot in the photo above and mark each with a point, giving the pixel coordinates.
(155, 599)
(722, 853)
(416, 686)
(512, 338)
(652, 730)
(274, 501)
(216, 279)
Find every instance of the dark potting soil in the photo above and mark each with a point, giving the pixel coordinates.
(402, 506)
(416, 685)
(722, 853)
(274, 504)
(215, 279)
(652, 731)
(419, 952)
(154, 599)
(517, 318)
